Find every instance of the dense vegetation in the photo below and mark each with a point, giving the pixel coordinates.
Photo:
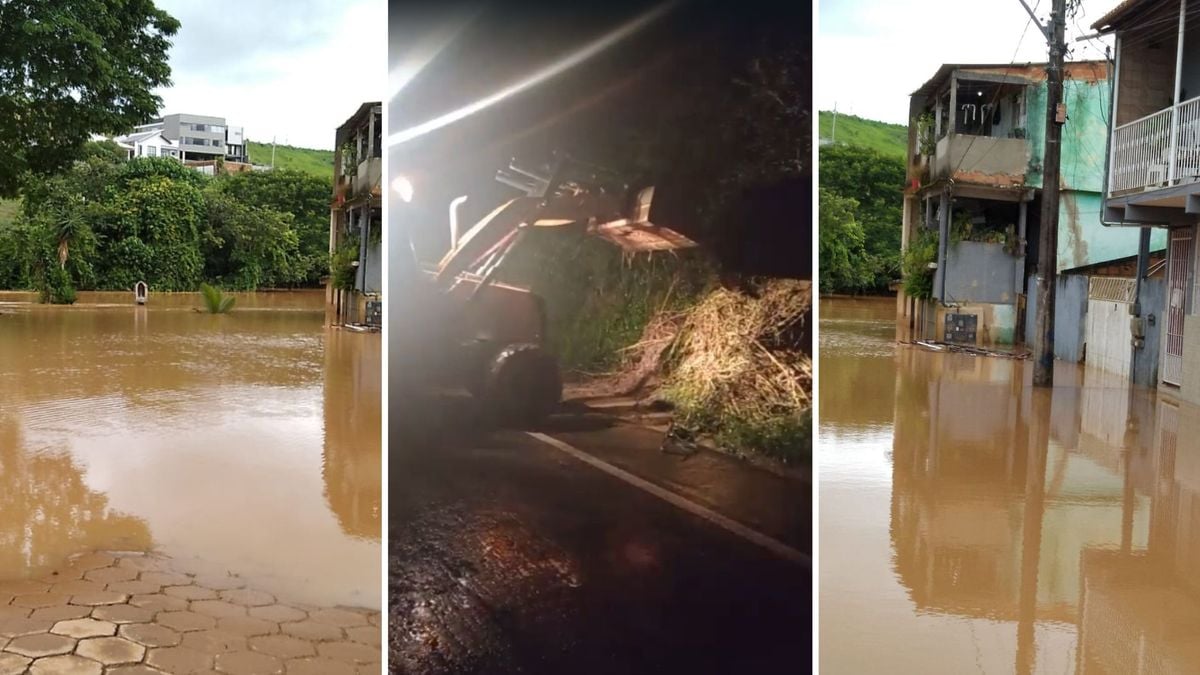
(886, 139)
(861, 201)
(105, 224)
(307, 160)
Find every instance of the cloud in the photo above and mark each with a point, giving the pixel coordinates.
(293, 70)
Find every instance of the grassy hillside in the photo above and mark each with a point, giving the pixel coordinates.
(889, 139)
(316, 162)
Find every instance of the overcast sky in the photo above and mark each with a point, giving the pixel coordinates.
(871, 54)
(293, 69)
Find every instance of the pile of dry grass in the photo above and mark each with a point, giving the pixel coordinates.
(738, 354)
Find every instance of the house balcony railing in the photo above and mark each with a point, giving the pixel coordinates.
(1157, 151)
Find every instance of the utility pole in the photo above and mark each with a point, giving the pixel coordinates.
(1056, 115)
(272, 152)
(834, 131)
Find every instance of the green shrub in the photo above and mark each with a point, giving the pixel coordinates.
(215, 301)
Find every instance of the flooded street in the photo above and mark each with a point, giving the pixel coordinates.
(970, 523)
(249, 441)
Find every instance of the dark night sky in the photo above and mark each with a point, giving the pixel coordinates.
(583, 111)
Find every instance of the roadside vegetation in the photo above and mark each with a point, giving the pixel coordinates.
(681, 326)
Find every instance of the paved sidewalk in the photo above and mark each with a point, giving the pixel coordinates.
(134, 614)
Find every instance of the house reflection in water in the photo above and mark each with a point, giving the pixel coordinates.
(1067, 512)
(353, 458)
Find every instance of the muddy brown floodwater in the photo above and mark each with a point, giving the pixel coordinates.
(250, 441)
(970, 523)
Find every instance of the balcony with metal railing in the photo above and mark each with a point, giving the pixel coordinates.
(1157, 151)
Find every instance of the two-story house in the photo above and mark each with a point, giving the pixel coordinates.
(356, 218)
(973, 202)
(1153, 182)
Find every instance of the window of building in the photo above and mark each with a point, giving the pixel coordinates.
(151, 151)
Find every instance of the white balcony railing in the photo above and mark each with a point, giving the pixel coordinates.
(1146, 155)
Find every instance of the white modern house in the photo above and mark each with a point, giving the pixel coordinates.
(149, 143)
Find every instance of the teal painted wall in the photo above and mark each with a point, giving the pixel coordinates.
(1084, 135)
(1083, 240)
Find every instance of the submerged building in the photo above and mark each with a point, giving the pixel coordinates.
(355, 287)
(973, 200)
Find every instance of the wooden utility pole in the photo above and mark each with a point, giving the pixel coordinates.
(1056, 115)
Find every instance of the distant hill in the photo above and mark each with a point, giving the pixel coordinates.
(888, 139)
(308, 160)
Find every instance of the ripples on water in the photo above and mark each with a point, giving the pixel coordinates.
(250, 440)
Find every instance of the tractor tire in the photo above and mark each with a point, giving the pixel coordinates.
(521, 385)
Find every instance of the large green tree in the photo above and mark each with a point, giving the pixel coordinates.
(875, 182)
(73, 68)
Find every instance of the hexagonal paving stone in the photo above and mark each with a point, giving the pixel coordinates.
(244, 625)
(141, 563)
(123, 614)
(65, 665)
(214, 641)
(91, 561)
(149, 634)
(350, 652)
(134, 670)
(368, 635)
(220, 583)
(39, 600)
(178, 659)
(97, 598)
(41, 644)
(278, 613)
(248, 597)
(109, 575)
(11, 628)
(283, 646)
(218, 608)
(319, 666)
(134, 587)
(111, 650)
(22, 587)
(186, 621)
(249, 663)
(13, 664)
(157, 602)
(9, 612)
(85, 628)
(311, 630)
(76, 587)
(338, 617)
(166, 578)
(190, 592)
(62, 613)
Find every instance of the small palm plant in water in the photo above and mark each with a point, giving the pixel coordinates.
(215, 301)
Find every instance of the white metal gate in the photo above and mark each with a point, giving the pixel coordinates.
(1179, 290)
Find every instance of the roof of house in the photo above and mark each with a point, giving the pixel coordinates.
(1017, 73)
(359, 117)
(143, 136)
(1122, 11)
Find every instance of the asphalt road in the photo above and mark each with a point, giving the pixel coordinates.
(510, 556)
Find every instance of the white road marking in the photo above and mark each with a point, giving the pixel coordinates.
(753, 536)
